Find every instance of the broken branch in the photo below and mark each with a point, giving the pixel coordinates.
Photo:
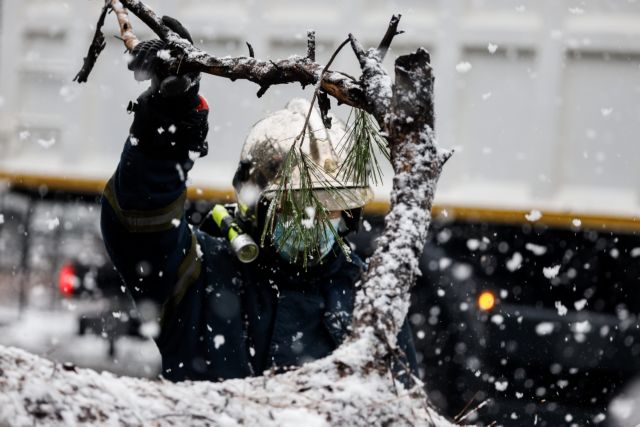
(126, 29)
(311, 45)
(392, 31)
(97, 45)
(251, 53)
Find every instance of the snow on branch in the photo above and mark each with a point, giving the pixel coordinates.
(357, 384)
(38, 392)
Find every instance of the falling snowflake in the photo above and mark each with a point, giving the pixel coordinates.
(46, 143)
(599, 418)
(501, 385)
(515, 262)
(443, 263)
(463, 67)
(536, 249)
(533, 216)
(562, 309)
(606, 111)
(551, 272)
(544, 328)
(580, 304)
(581, 327)
(473, 244)
(53, 223)
(218, 341)
(492, 48)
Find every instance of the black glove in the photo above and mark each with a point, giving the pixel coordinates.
(146, 64)
(171, 128)
(170, 117)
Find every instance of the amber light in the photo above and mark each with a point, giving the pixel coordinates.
(486, 301)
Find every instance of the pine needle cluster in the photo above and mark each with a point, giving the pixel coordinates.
(361, 144)
(305, 219)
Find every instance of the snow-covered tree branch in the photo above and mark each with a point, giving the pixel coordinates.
(357, 384)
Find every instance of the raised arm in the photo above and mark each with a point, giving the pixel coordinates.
(143, 224)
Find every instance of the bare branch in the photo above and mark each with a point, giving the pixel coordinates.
(251, 53)
(126, 29)
(264, 73)
(318, 87)
(324, 103)
(375, 81)
(417, 162)
(392, 31)
(358, 50)
(145, 14)
(95, 48)
(311, 45)
(262, 90)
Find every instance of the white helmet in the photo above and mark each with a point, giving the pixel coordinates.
(256, 179)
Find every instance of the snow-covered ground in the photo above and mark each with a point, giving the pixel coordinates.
(54, 335)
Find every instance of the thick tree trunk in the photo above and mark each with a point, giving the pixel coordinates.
(355, 385)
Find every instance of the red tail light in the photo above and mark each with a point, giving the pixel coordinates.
(67, 280)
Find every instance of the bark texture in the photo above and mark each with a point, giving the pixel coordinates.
(355, 385)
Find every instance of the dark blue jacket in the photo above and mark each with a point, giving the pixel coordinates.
(219, 318)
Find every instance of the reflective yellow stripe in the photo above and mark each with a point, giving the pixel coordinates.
(145, 221)
(188, 273)
(550, 218)
(463, 213)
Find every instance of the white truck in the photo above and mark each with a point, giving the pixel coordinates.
(541, 99)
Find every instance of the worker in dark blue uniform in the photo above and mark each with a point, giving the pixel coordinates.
(221, 317)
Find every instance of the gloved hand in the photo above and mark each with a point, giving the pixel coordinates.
(146, 63)
(170, 116)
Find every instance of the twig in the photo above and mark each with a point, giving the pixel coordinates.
(251, 53)
(392, 31)
(311, 45)
(97, 45)
(474, 410)
(324, 103)
(126, 30)
(461, 413)
(194, 416)
(344, 88)
(318, 86)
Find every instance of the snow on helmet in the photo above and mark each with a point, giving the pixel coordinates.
(266, 147)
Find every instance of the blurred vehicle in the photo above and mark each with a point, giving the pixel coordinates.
(114, 316)
(538, 321)
(542, 322)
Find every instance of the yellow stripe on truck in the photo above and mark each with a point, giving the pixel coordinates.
(563, 219)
